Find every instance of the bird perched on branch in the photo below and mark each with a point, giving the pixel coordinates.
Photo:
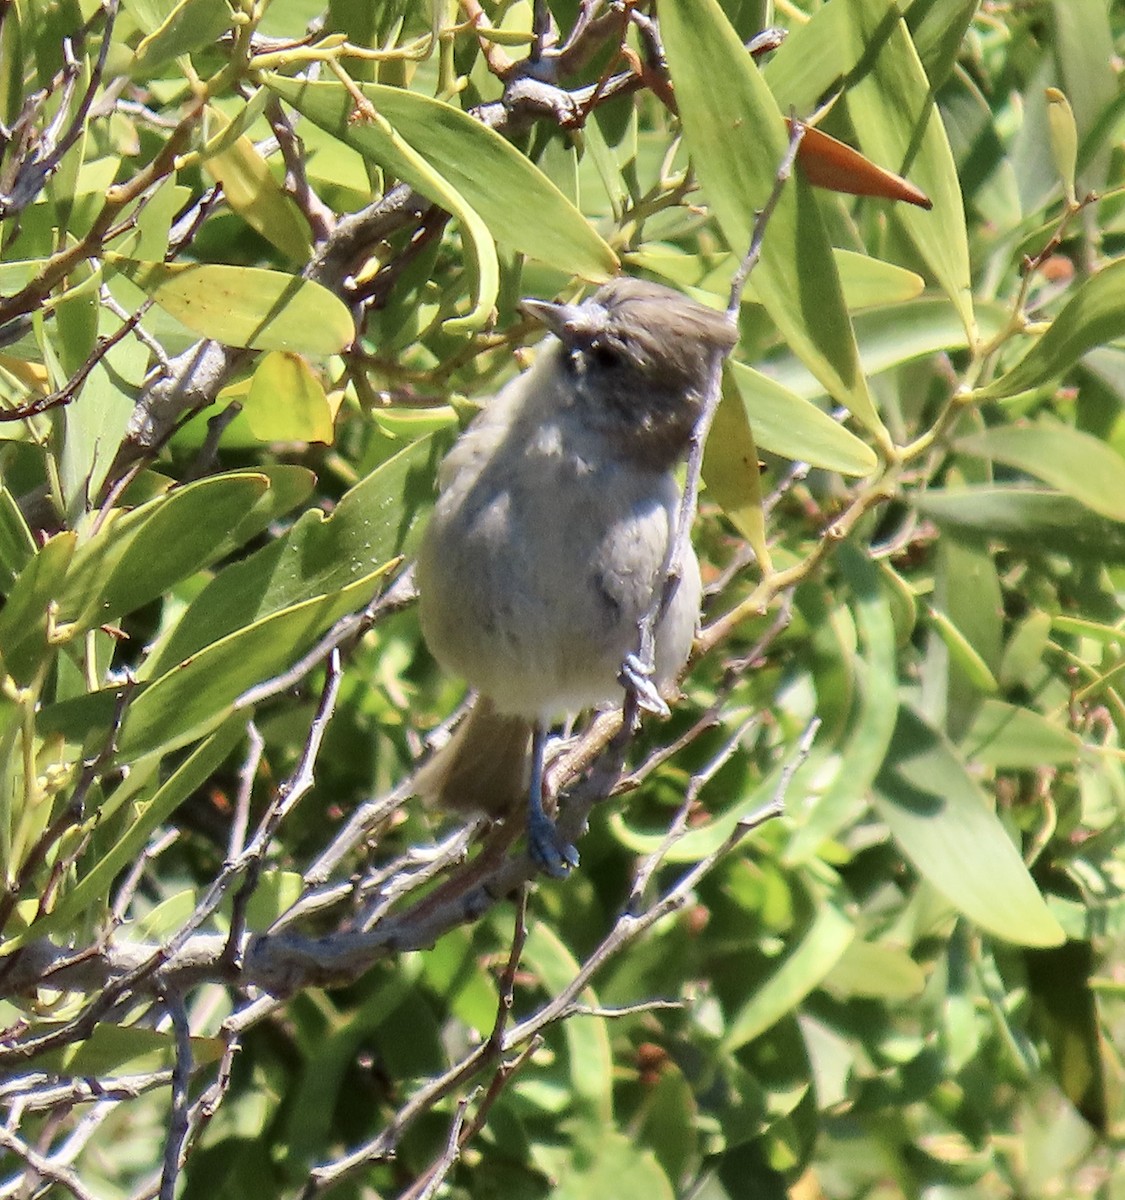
(550, 540)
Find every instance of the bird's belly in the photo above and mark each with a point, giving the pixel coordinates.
(534, 597)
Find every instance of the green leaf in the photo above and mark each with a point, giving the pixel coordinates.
(251, 190)
(189, 26)
(1064, 139)
(17, 546)
(873, 722)
(333, 108)
(891, 106)
(612, 1165)
(786, 424)
(1068, 459)
(730, 471)
(115, 1048)
(867, 282)
(1066, 1011)
(204, 688)
(286, 402)
(877, 971)
(941, 819)
(963, 652)
(1011, 738)
(24, 618)
(1093, 316)
(522, 208)
(245, 306)
(373, 521)
(804, 966)
(1029, 519)
(91, 891)
(811, 61)
(590, 1061)
(896, 334)
(140, 555)
(737, 140)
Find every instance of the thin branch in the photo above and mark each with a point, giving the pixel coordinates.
(44, 1167)
(176, 1140)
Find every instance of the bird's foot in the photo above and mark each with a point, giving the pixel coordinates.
(549, 850)
(637, 674)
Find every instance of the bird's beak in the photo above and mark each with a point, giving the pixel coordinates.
(568, 322)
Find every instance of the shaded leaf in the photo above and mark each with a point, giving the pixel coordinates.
(892, 108)
(251, 190)
(730, 471)
(1031, 519)
(802, 968)
(941, 820)
(1074, 462)
(1011, 738)
(94, 887)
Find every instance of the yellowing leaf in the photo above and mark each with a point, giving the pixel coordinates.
(245, 306)
(251, 190)
(286, 402)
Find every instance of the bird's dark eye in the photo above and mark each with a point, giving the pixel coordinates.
(603, 356)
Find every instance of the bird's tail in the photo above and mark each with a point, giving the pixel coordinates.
(485, 767)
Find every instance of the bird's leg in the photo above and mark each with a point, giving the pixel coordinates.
(547, 848)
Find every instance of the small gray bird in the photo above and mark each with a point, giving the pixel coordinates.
(549, 538)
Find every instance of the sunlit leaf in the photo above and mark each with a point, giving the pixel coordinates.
(246, 306)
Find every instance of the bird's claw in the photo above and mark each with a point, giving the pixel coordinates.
(637, 674)
(550, 852)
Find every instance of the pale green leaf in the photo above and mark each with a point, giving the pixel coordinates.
(942, 821)
(1094, 315)
(1068, 459)
(785, 424)
(245, 306)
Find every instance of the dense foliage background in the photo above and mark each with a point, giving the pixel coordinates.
(258, 263)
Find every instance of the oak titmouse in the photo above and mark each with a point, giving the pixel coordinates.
(550, 534)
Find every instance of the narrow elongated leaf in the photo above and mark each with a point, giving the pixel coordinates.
(94, 887)
(521, 207)
(245, 306)
(730, 471)
(1034, 520)
(373, 521)
(940, 818)
(873, 722)
(24, 618)
(591, 1062)
(804, 966)
(893, 335)
(1093, 316)
(785, 424)
(173, 709)
(251, 190)
(189, 26)
(1014, 739)
(333, 108)
(1072, 461)
(737, 140)
(140, 555)
(892, 108)
(17, 546)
